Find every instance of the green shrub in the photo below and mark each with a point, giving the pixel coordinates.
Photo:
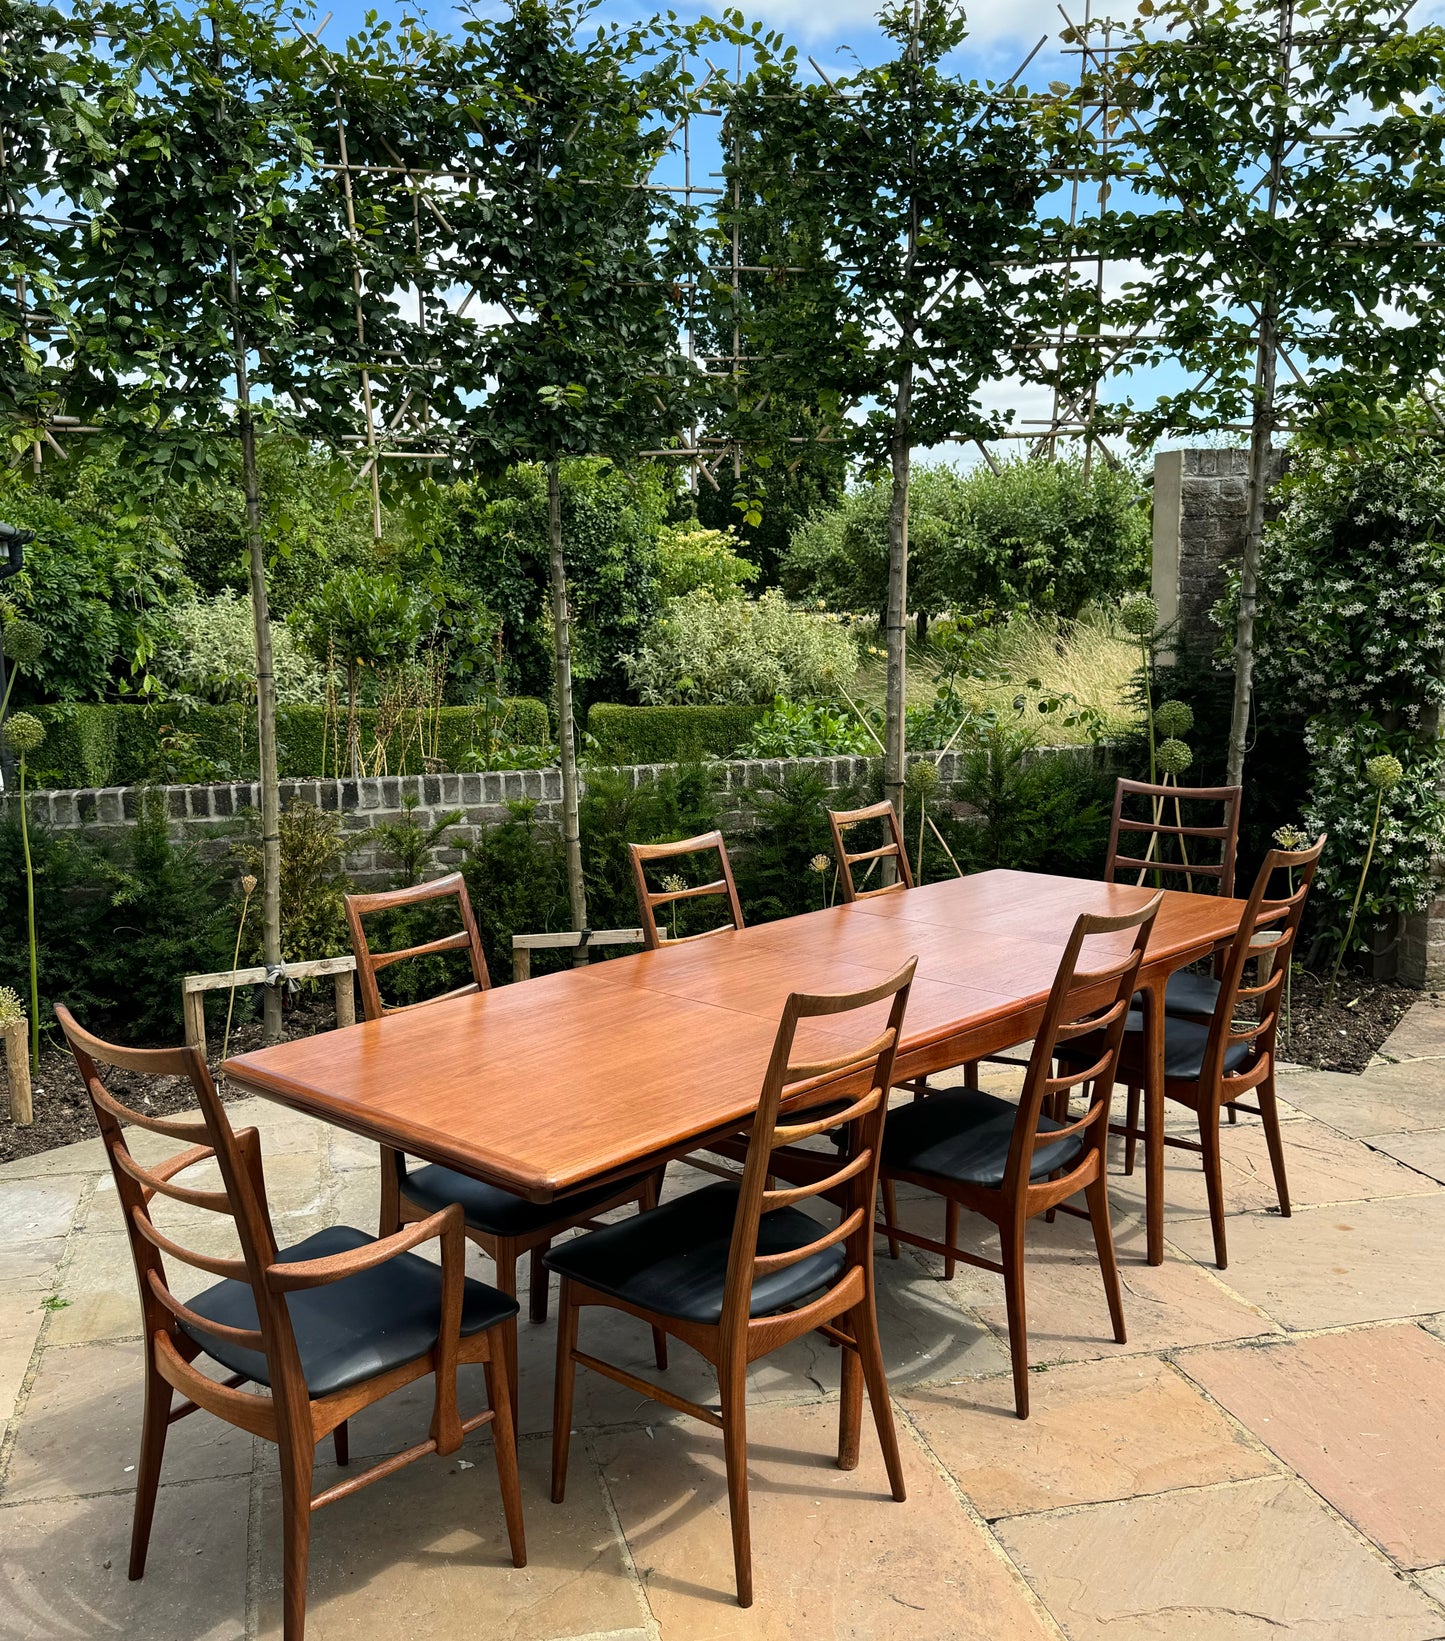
(790, 829)
(517, 879)
(663, 735)
(703, 649)
(692, 557)
(679, 802)
(313, 885)
(809, 730)
(114, 745)
(209, 654)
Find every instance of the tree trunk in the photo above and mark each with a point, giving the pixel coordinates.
(897, 631)
(265, 711)
(566, 737)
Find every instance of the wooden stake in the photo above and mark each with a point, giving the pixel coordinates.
(17, 1063)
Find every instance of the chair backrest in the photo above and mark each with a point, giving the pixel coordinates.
(649, 899)
(1090, 998)
(789, 1089)
(370, 963)
(241, 1199)
(839, 820)
(1170, 836)
(1264, 914)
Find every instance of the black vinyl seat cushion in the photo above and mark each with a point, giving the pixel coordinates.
(964, 1135)
(673, 1260)
(1190, 993)
(1184, 1045)
(499, 1213)
(349, 1330)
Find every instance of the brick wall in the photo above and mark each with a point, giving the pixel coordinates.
(213, 817)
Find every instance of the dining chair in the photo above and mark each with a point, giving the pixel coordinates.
(1012, 1162)
(503, 1225)
(649, 899)
(739, 1269)
(1210, 1059)
(842, 820)
(327, 1326)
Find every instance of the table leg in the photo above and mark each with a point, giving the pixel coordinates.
(1154, 1119)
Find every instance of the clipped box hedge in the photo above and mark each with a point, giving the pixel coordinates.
(122, 745)
(661, 735)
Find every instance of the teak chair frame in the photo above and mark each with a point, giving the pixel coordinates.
(1090, 1003)
(1215, 1089)
(738, 1338)
(649, 899)
(396, 1208)
(289, 1417)
(839, 821)
(1226, 834)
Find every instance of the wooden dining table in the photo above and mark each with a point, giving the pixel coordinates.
(597, 1072)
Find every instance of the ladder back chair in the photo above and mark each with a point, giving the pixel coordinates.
(1167, 849)
(503, 1225)
(739, 1269)
(840, 821)
(1209, 1063)
(649, 899)
(1011, 1163)
(329, 1325)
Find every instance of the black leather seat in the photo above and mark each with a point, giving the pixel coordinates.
(964, 1135)
(488, 1208)
(673, 1260)
(353, 1329)
(1184, 1045)
(1190, 993)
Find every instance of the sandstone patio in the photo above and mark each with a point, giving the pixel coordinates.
(1264, 1457)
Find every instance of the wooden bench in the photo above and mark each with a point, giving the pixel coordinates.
(579, 941)
(195, 986)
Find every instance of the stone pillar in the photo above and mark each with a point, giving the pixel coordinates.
(1201, 498)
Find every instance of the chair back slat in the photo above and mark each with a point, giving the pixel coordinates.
(839, 821)
(1075, 1009)
(649, 899)
(368, 963)
(241, 1199)
(1264, 912)
(863, 1076)
(1179, 851)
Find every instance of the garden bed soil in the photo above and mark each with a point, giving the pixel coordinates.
(1341, 1034)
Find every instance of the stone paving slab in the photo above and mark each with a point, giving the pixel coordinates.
(1234, 1563)
(1360, 1416)
(1096, 1431)
(1171, 1489)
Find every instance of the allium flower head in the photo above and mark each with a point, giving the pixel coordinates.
(11, 1008)
(1290, 837)
(820, 864)
(921, 777)
(1174, 718)
(1174, 756)
(674, 884)
(1139, 614)
(22, 733)
(24, 642)
(248, 885)
(1384, 772)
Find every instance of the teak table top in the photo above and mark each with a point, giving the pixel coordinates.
(583, 1074)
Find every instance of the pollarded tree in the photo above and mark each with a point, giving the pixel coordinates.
(1283, 187)
(566, 247)
(896, 197)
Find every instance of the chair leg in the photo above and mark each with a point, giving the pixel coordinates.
(850, 1408)
(1011, 1242)
(148, 1472)
(504, 1257)
(389, 1219)
(649, 1197)
(890, 1216)
(733, 1393)
(563, 1381)
(970, 1074)
(296, 1463)
(950, 1236)
(1131, 1121)
(1269, 1115)
(537, 1288)
(504, 1446)
(1097, 1196)
(341, 1443)
(1233, 1114)
(870, 1354)
(1213, 1176)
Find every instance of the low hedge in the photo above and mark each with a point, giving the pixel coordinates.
(122, 745)
(660, 735)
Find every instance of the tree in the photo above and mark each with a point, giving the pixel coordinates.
(201, 281)
(897, 195)
(1286, 199)
(565, 245)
